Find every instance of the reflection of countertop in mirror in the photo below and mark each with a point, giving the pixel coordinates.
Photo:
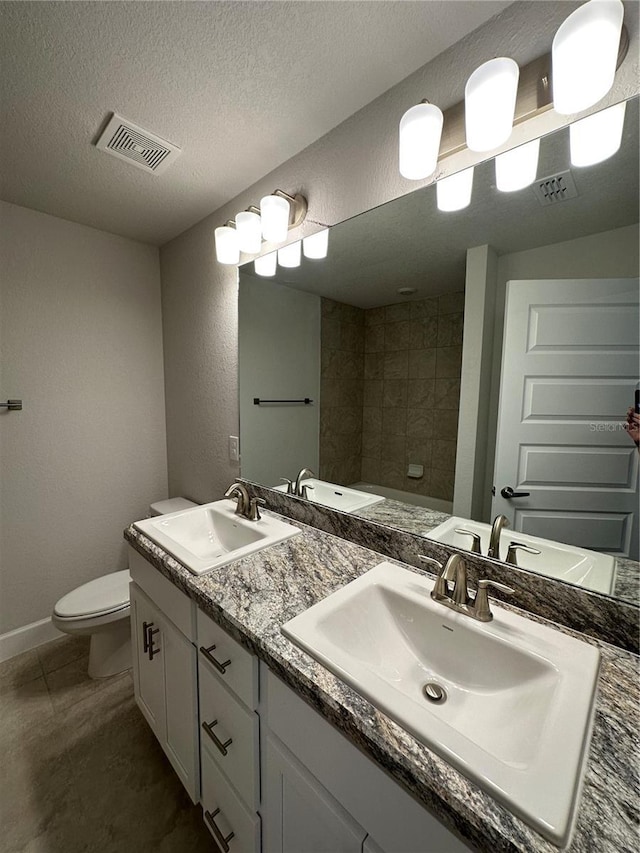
(627, 585)
(420, 521)
(252, 598)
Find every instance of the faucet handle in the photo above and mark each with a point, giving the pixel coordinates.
(254, 508)
(481, 605)
(475, 539)
(519, 546)
(305, 491)
(440, 588)
(289, 484)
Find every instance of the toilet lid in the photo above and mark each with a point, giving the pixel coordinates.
(103, 595)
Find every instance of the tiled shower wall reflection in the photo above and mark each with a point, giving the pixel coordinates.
(400, 365)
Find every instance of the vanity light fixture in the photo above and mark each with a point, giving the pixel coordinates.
(454, 192)
(290, 256)
(227, 244)
(317, 245)
(274, 212)
(490, 103)
(249, 230)
(597, 137)
(585, 54)
(420, 134)
(517, 169)
(266, 265)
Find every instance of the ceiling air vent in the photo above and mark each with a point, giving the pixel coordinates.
(555, 188)
(123, 139)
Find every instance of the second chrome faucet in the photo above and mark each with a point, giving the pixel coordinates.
(457, 597)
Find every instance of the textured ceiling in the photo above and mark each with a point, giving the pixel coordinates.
(409, 243)
(240, 86)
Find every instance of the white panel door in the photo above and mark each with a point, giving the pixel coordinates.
(569, 372)
(299, 815)
(148, 668)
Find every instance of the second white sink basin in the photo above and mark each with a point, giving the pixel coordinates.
(335, 496)
(518, 695)
(212, 535)
(588, 569)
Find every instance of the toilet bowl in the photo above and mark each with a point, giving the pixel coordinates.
(100, 608)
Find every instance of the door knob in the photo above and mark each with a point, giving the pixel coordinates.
(507, 492)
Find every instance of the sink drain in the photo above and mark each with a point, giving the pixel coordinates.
(434, 692)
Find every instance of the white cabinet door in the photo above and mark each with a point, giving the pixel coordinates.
(181, 742)
(148, 670)
(165, 685)
(299, 815)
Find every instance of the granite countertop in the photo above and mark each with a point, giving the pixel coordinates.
(421, 521)
(251, 598)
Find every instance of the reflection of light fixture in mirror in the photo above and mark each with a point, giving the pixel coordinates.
(490, 102)
(420, 133)
(585, 52)
(517, 169)
(227, 245)
(597, 137)
(454, 192)
(249, 231)
(266, 264)
(317, 245)
(290, 256)
(274, 212)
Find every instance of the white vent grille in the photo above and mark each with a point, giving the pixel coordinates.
(123, 139)
(555, 188)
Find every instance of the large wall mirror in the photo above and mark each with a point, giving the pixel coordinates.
(466, 364)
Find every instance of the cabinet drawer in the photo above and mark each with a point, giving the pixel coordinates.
(172, 601)
(224, 813)
(221, 655)
(230, 733)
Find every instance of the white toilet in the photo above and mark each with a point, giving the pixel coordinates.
(101, 608)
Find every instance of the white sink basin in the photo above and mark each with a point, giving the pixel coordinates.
(212, 535)
(336, 497)
(588, 569)
(519, 695)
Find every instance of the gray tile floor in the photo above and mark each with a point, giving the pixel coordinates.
(80, 770)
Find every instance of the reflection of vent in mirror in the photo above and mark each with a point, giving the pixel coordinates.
(123, 139)
(555, 188)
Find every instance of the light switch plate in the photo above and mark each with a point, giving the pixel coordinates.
(234, 448)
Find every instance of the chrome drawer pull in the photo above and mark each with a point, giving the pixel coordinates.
(221, 667)
(145, 636)
(208, 727)
(151, 650)
(222, 841)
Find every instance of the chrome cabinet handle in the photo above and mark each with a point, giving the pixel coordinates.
(221, 667)
(145, 636)
(148, 632)
(222, 747)
(507, 493)
(220, 838)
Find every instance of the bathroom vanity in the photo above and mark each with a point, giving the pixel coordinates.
(288, 753)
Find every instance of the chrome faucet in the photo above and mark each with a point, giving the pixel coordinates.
(299, 490)
(455, 571)
(246, 507)
(499, 523)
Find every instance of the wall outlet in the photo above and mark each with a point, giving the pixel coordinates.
(234, 448)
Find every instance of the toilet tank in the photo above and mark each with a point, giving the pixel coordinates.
(170, 505)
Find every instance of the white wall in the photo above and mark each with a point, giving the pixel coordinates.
(610, 254)
(81, 342)
(351, 169)
(278, 358)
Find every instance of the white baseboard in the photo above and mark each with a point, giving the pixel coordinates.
(28, 637)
